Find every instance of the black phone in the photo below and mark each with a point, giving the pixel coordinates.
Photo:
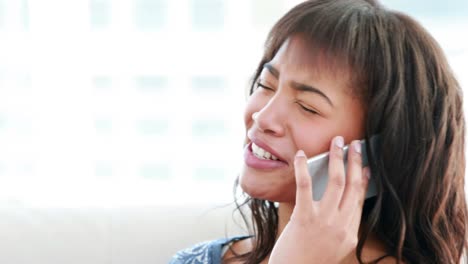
(318, 170)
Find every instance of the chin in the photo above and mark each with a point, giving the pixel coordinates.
(254, 191)
(260, 188)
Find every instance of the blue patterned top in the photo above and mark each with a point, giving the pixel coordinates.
(208, 252)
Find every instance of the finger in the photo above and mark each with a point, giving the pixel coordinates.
(336, 175)
(353, 189)
(357, 212)
(304, 201)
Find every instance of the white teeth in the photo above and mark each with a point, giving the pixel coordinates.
(261, 153)
(254, 147)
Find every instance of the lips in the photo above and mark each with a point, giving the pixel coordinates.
(255, 162)
(264, 146)
(252, 161)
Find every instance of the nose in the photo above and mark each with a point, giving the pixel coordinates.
(270, 119)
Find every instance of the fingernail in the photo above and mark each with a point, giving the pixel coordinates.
(300, 153)
(339, 142)
(357, 146)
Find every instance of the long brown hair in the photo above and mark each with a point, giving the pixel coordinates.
(414, 102)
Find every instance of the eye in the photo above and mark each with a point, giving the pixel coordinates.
(259, 84)
(312, 111)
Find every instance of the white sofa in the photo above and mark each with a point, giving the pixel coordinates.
(147, 235)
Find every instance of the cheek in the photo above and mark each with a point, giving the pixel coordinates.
(312, 139)
(254, 104)
(248, 116)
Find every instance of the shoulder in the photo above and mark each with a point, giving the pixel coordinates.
(207, 252)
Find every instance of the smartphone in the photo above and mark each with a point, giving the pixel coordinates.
(318, 170)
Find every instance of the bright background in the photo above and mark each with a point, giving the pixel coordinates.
(109, 103)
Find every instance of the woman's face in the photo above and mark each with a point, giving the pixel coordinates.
(298, 105)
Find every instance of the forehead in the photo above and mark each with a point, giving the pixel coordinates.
(300, 60)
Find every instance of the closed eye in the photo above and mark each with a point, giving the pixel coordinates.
(264, 86)
(308, 109)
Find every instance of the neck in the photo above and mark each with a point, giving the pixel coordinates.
(284, 214)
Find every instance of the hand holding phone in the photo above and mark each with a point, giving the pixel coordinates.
(318, 170)
(336, 219)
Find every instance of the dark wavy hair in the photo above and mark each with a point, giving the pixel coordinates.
(414, 102)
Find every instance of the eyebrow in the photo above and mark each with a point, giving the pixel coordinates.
(298, 86)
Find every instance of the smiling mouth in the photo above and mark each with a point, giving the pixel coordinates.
(254, 160)
(261, 153)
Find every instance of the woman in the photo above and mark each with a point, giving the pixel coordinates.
(334, 72)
